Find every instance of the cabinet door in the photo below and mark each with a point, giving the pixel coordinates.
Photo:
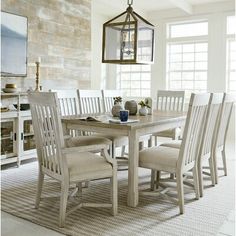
(28, 136)
(8, 137)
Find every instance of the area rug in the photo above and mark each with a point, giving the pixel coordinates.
(153, 216)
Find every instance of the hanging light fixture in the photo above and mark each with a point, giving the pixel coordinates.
(128, 39)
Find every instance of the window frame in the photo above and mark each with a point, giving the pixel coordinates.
(181, 41)
(130, 72)
(229, 38)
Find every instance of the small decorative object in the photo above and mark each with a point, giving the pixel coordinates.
(37, 74)
(124, 115)
(132, 107)
(117, 100)
(143, 110)
(10, 88)
(148, 101)
(117, 106)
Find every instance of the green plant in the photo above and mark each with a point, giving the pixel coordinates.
(117, 100)
(143, 104)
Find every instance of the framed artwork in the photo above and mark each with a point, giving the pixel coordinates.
(14, 34)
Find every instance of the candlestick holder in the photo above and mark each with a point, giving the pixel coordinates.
(37, 76)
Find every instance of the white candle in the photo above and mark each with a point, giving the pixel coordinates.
(39, 59)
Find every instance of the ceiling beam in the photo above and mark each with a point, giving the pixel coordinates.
(183, 5)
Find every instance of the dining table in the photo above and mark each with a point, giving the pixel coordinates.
(156, 122)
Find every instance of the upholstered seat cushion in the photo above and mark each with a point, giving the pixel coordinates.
(173, 144)
(116, 139)
(86, 166)
(170, 133)
(85, 141)
(159, 158)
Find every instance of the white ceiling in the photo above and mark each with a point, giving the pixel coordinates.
(113, 7)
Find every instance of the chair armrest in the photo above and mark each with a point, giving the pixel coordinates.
(88, 148)
(108, 158)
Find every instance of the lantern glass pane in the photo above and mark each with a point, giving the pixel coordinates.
(112, 43)
(119, 41)
(145, 44)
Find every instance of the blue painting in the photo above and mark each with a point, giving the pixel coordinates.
(13, 45)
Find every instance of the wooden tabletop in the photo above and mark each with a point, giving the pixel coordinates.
(158, 117)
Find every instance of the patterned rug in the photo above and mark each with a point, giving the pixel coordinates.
(153, 216)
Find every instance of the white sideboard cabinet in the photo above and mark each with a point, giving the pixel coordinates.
(17, 135)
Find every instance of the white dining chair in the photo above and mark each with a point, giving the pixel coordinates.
(220, 141)
(207, 142)
(69, 106)
(67, 165)
(180, 161)
(108, 98)
(168, 100)
(90, 102)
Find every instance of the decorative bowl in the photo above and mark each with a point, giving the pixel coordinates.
(23, 106)
(10, 86)
(9, 90)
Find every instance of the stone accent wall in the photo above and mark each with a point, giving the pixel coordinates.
(59, 31)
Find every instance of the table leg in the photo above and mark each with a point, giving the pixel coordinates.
(133, 169)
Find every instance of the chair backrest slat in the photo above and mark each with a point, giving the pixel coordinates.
(90, 102)
(170, 100)
(193, 130)
(108, 99)
(48, 131)
(224, 119)
(68, 100)
(212, 119)
(69, 105)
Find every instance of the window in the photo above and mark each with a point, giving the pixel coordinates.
(231, 55)
(187, 57)
(188, 29)
(134, 80)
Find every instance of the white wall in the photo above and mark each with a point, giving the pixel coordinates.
(98, 73)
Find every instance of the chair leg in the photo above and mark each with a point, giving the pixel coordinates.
(150, 142)
(141, 146)
(215, 166)
(180, 189)
(80, 189)
(224, 161)
(196, 181)
(86, 184)
(155, 140)
(212, 171)
(39, 188)
(158, 176)
(172, 176)
(123, 150)
(113, 151)
(63, 203)
(200, 178)
(153, 180)
(114, 194)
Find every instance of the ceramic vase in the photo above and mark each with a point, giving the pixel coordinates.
(115, 111)
(143, 111)
(132, 107)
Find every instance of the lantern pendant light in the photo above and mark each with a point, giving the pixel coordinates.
(128, 39)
